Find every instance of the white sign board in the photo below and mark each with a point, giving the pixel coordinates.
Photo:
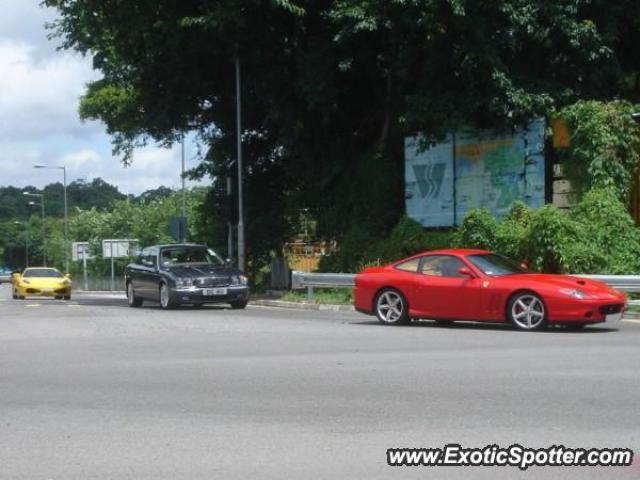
(119, 248)
(79, 250)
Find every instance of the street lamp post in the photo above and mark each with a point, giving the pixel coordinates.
(26, 242)
(41, 196)
(241, 244)
(66, 215)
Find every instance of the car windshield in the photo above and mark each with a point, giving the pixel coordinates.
(42, 273)
(495, 265)
(189, 256)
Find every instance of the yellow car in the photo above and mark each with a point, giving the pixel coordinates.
(41, 282)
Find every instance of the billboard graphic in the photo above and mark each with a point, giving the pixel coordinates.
(474, 169)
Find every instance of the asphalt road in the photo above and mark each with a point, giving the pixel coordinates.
(92, 389)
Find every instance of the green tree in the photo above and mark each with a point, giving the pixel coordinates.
(331, 88)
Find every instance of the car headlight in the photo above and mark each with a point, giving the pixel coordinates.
(574, 292)
(184, 282)
(239, 280)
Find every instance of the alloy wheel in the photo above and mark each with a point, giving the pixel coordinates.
(391, 307)
(164, 296)
(527, 312)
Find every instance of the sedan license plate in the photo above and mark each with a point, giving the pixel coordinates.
(211, 292)
(613, 317)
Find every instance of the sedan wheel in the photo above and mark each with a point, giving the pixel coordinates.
(526, 312)
(131, 296)
(392, 308)
(165, 297)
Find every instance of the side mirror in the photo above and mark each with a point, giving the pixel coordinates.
(464, 271)
(228, 262)
(524, 266)
(68, 275)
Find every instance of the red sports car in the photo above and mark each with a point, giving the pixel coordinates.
(478, 285)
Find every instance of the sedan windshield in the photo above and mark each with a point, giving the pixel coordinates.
(42, 273)
(495, 265)
(189, 256)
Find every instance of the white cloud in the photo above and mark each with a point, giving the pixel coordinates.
(39, 93)
(41, 98)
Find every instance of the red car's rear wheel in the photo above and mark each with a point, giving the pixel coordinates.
(526, 311)
(391, 307)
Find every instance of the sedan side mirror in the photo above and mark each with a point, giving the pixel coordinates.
(465, 272)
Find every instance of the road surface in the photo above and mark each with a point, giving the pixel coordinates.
(92, 389)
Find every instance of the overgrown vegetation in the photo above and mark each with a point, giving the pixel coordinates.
(605, 146)
(596, 236)
(330, 89)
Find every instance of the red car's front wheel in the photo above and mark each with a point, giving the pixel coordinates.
(391, 307)
(526, 311)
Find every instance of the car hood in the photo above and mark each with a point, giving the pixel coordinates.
(44, 282)
(198, 271)
(567, 281)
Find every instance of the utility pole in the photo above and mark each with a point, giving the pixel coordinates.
(229, 224)
(66, 213)
(26, 242)
(241, 251)
(44, 231)
(183, 222)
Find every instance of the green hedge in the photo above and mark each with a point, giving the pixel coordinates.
(596, 236)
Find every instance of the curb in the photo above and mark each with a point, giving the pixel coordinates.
(302, 305)
(99, 292)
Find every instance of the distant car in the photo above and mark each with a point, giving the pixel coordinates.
(41, 282)
(478, 285)
(184, 274)
(5, 275)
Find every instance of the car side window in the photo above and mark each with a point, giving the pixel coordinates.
(409, 265)
(149, 258)
(442, 266)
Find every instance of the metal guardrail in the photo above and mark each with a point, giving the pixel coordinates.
(301, 280)
(624, 283)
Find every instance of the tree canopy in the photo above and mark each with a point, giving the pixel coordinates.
(330, 88)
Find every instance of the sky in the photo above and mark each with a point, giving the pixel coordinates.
(39, 124)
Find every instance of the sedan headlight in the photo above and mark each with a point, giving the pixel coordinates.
(574, 292)
(239, 280)
(184, 282)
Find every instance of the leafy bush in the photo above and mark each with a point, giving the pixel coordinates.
(596, 236)
(362, 248)
(605, 146)
(478, 230)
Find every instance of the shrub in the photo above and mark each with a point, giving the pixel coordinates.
(478, 230)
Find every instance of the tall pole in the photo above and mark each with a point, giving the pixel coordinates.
(26, 242)
(183, 230)
(66, 214)
(66, 222)
(44, 236)
(241, 254)
(26, 246)
(229, 224)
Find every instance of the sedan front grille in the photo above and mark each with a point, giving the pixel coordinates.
(212, 281)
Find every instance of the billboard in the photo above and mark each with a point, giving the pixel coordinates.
(474, 169)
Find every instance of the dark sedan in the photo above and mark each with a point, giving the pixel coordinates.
(184, 274)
